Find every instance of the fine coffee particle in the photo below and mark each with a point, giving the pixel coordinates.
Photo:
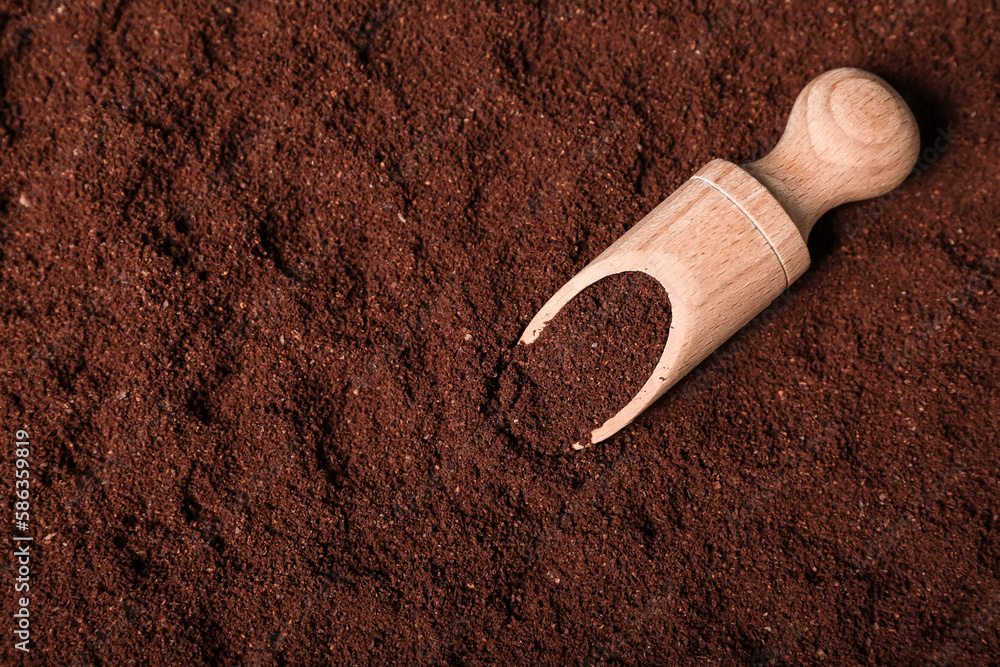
(588, 362)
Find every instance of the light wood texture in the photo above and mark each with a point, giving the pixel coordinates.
(850, 136)
(728, 241)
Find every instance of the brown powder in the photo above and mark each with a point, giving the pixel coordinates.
(262, 264)
(586, 365)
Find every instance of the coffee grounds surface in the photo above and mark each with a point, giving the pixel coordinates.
(261, 267)
(586, 365)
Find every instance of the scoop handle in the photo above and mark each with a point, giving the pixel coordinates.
(850, 136)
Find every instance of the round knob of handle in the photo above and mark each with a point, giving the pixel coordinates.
(850, 136)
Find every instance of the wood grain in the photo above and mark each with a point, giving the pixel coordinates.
(850, 136)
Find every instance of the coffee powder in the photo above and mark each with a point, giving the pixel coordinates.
(262, 265)
(586, 365)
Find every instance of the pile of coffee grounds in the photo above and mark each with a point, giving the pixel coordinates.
(586, 365)
(262, 264)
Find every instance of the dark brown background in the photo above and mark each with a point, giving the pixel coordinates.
(261, 265)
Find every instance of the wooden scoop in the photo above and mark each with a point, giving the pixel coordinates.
(731, 239)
